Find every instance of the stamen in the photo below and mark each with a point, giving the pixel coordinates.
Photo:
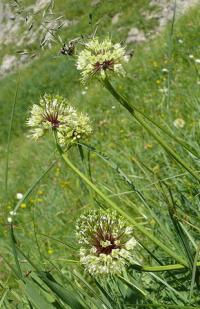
(105, 65)
(52, 118)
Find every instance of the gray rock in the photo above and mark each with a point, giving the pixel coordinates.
(166, 12)
(9, 62)
(135, 35)
(163, 14)
(22, 34)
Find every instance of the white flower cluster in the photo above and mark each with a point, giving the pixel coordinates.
(101, 59)
(53, 112)
(107, 242)
(79, 129)
(12, 213)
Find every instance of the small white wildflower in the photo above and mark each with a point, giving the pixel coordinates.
(107, 243)
(12, 213)
(179, 123)
(197, 61)
(180, 41)
(83, 92)
(164, 70)
(52, 112)
(101, 58)
(113, 106)
(163, 90)
(9, 219)
(191, 56)
(19, 196)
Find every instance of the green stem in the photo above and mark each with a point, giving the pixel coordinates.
(9, 134)
(161, 268)
(131, 110)
(119, 210)
(85, 170)
(132, 285)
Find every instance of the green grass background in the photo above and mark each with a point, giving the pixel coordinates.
(60, 197)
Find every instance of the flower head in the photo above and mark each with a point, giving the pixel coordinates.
(107, 242)
(101, 58)
(53, 112)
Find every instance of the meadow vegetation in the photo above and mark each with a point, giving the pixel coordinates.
(39, 252)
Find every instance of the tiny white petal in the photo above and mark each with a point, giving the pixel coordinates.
(9, 219)
(19, 196)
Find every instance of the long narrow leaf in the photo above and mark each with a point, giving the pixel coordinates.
(35, 295)
(119, 210)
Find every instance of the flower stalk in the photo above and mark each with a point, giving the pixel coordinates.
(141, 121)
(117, 208)
(170, 267)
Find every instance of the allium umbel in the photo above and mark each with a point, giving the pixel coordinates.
(53, 112)
(79, 130)
(107, 242)
(101, 58)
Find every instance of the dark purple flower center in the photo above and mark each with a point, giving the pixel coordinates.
(105, 65)
(52, 118)
(99, 238)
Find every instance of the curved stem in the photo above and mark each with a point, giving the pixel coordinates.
(143, 123)
(119, 210)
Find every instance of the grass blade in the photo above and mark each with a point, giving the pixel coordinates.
(35, 295)
(68, 297)
(119, 210)
(29, 191)
(194, 272)
(143, 123)
(13, 246)
(9, 134)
